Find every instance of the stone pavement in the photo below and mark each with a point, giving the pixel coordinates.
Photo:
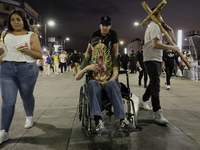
(57, 126)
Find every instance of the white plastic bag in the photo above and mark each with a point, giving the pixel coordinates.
(179, 73)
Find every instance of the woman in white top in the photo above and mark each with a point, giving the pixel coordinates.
(19, 70)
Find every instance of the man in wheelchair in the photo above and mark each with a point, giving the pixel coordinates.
(103, 73)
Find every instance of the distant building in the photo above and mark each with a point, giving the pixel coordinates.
(134, 45)
(33, 18)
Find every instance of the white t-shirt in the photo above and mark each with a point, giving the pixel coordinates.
(12, 41)
(62, 58)
(150, 53)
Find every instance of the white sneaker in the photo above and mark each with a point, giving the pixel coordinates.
(168, 87)
(29, 122)
(4, 136)
(145, 105)
(158, 117)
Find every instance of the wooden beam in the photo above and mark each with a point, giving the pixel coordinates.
(151, 15)
(155, 11)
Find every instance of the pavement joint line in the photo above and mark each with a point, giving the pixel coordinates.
(72, 128)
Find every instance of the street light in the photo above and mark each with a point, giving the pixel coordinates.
(136, 23)
(51, 23)
(180, 39)
(141, 28)
(67, 39)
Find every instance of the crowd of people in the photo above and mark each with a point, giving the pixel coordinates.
(64, 62)
(19, 70)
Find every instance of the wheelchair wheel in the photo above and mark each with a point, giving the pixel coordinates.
(81, 96)
(84, 116)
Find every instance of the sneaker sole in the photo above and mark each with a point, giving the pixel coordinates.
(164, 123)
(5, 140)
(102, 134)
(28, 127)
(129, 130)
(143, 107)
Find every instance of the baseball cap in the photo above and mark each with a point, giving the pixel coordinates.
(95, 40)
(63, 51)
(105, 20)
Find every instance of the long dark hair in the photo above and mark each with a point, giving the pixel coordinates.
(21, 14)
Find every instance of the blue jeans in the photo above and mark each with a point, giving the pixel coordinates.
(16, 77)
(153, 69)
(68, 66)
(194, 71)
(113, 90)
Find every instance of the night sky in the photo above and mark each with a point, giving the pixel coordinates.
(77, 19)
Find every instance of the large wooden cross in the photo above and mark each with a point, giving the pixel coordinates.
(158, 20)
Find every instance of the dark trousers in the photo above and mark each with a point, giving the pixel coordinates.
(168, 71)
(141, 73)
(153, 69)
(61, 66)
(133, 67)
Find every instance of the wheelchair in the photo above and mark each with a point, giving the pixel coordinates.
(84, 109)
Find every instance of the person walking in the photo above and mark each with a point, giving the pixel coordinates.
(169, 57)
(153, 64)
(142, 70)
(47, 63)
(124, 61)
(75, 60)
(56, 63)
(133, 61)
(40, 66)
(62, 60)
(68, 63)
(19, 71)
(193, 69)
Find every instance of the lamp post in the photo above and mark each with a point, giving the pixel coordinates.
(51, 23)
(67, 39)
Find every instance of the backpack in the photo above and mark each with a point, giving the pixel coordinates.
(48, 61)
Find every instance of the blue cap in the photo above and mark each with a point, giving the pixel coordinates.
(105, 20)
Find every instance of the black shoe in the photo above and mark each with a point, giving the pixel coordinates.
(139, 84)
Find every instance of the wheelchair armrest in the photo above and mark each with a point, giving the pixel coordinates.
(127, 78)
(87, 76)
(123, 72)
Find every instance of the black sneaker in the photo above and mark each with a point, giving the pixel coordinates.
(101, 129)
(126, 125)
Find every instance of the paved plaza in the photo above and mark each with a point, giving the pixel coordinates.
(57, 125)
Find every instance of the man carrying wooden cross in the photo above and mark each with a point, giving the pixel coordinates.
(153, 63)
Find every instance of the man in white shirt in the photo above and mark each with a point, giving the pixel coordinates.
(62, 59)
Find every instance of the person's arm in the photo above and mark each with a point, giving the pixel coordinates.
(116, 49)
(35, 50)
(157, 45)
(163, 65)
(176, 60)
(92, 67)
(88, 50)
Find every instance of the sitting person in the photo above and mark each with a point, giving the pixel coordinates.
(103, 72)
